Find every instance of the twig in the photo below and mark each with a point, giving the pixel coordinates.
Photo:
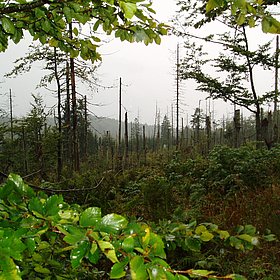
(56, 190)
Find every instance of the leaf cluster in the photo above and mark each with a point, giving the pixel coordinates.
(48, 22)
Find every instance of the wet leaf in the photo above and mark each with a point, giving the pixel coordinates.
(90, 217)
(137, 268)
(78, 253)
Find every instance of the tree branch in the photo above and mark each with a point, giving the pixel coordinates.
(49, 190)
(16, 8)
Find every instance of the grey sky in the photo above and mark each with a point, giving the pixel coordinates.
(146, 72)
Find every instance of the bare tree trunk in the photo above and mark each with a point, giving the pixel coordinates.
(68, 125)
(76, 156)
(59, 143)
(275, 112)
(177, 98)
(237, 127)
(11, 117)
(182, 134)
(208, 132)
(119, 163)
(276, 74)
(25, 162)
(126, 138)
(154, 134)
(255, 96)
(86, 129)
(144, 145)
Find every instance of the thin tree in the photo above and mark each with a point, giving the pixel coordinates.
(11, 116)
(75, 152)
(126, 138)
(177, 96)
(59, 142)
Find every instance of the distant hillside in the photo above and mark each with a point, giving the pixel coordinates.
(101, 125)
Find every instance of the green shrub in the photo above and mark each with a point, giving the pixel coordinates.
(43, 237)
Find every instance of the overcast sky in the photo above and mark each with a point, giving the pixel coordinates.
(147, 74)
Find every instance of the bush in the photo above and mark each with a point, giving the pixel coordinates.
(44, 237)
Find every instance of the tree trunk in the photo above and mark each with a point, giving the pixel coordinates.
(76, 156)
(126, 138)
(255, 96)
(59, 143)
(85, 130)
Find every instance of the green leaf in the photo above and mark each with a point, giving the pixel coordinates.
(129, 9)
(36, 207)
(78, 253)
(240, 19)
(156, 273)
(39, 13)
(157, 246)
(46, 25)
(157, 40)
(137, 268)
(223, 234)
(68, 14)
(8, 25)
(193, 244)
(212, 4)
(53, 205)
(249, 229)
(53, 42)
(74, 235)
(270, 237)
(94, 255)
(37, 257)
(90, 217)
(252, 22)
(17, 36)
(109, 250)
(128, 244)
(75, 31)
(146, 238)
(206, 236)
(40, 269)
(12, 246)
(112, 223)
(237, 243)
(30, 244)
(19, 186)
(9, 270)
(118, 269)
(245, 237)
(200, 229)
(270, 25)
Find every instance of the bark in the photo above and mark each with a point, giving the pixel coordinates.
(59, 143)
(255, 96)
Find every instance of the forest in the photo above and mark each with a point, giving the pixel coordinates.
(172, 200)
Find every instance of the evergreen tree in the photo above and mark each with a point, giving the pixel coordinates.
(165, 131)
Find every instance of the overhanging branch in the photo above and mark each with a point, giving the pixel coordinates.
(17, 8)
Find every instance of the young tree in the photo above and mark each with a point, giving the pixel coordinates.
(55, 62)
(34, 125)
(231, 74)
(165, 131)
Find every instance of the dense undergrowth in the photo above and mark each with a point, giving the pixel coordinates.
(168, 222)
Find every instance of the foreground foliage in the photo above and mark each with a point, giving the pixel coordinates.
(43, 237)
(47, 21)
